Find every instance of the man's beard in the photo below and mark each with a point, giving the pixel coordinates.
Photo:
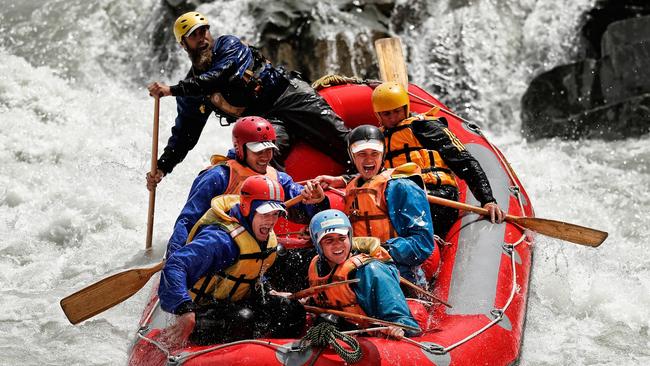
(201, 59)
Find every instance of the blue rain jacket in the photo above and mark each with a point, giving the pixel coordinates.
(230, 58)
(212, 250)
(409, 212)
(379, 295)
(212, 183)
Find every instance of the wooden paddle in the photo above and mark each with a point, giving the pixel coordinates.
(358, 317)
(391, 60)
(106, 293)
(417, 288)
(393, 68)
(555, 229)
(315, 289)
(154, 170)
(112, 290)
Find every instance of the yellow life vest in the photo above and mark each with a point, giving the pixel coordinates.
(366, 207)
(234, 283)
(238, 172)
(403, 147)
(340, 297)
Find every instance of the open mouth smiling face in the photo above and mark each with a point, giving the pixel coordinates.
(336, 247)
(368, 162)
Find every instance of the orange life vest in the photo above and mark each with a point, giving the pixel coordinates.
(366, 207)
(340, 297)
(403, 147)
(239, 172)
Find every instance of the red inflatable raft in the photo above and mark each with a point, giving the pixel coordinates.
(484, 273)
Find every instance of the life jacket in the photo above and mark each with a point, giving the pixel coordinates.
(340, 297)
(366, 207)
(233, 283)
(403, 147)
(238, 172)
(243, 89)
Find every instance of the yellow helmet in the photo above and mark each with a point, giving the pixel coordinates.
(187, 23)
(389, 96)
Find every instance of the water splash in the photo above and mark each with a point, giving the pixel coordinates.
(75, 135)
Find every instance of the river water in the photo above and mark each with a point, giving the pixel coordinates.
(75, 133)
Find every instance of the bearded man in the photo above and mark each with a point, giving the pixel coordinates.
(233, 79)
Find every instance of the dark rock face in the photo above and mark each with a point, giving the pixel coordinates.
(294, 35)
(604, 13)
(605, 97)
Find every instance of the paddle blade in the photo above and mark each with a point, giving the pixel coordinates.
(106, 293)
(391, 61)
(562, 230)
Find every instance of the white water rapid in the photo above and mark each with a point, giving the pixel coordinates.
(75, 140)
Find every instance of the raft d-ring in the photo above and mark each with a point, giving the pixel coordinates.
(178, 359)
(174, 360)
(497, 313)
(436, 349)
(508, 248)
(474, 127)
(143, 330)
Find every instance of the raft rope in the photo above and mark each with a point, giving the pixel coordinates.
(329, 80)
(325, 334)
(322, 335)
(496, 313)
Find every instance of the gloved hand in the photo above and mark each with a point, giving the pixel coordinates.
(365, 244)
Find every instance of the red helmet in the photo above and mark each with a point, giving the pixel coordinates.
(261, 188)
(252, 129)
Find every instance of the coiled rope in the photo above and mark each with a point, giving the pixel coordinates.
(325, 334)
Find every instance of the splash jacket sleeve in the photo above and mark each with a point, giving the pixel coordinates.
(410, 215)
(229, 56)
(191, 118)
(211, 251)
(380, 296)
(207, 185)
(434, 135)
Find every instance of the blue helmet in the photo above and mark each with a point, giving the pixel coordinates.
(328, 221)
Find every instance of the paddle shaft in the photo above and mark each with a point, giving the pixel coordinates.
(415, 287)
(315, 289)
(154, 169)
(358, 317)
(556, 229)
(112, 290)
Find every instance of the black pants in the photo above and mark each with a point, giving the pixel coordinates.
(224, 321)
(443, 217)
(289, 272)
(301, 114)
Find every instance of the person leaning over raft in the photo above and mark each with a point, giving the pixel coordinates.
(233, 79)
(428, 142)
(393, 209)
(253, 140)
(377, 294)
(223, 265)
